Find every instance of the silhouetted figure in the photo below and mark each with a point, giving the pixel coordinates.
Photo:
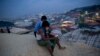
(1, 30)
(8, 30)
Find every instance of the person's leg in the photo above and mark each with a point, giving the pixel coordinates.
(46, 44)
(58, 43)
(8, 30)
(50, 47)
(50, 50)
(56, 39)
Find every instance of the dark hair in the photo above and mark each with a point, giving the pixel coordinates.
(45, 24)
(43, 18)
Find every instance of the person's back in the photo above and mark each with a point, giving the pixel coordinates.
(38, 25)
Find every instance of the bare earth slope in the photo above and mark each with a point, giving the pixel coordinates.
(26, 45)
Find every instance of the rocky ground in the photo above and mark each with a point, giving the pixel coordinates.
(26, 45)
(88, 38)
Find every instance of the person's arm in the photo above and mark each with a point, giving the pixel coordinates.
(47, 35)
(36, 28)
(47, 38)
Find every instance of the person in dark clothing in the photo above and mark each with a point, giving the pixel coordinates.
(49, 38)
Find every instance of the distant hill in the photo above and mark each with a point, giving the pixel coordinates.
(92, 8)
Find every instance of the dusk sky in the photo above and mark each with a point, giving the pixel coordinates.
(17, 8)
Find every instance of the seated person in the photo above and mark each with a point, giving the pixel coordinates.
(48, 39)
